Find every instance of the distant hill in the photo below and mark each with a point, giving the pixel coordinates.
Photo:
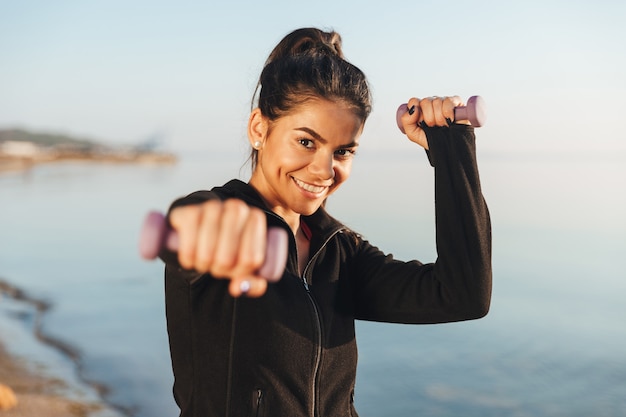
(45, 139)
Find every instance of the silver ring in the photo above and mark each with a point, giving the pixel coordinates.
(244, 287)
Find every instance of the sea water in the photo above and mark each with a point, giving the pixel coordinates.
(552, 345)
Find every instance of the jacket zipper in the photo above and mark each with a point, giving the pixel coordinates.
(259, 400)
(316, 314)
(318, 325)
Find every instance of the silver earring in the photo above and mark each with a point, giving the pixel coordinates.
(257, 145)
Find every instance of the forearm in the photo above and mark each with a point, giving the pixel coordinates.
(462, 221)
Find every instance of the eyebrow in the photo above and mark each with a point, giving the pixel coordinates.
(319, 137)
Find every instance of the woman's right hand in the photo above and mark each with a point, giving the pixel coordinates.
(226, 239)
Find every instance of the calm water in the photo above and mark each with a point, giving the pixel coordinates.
(552, 345)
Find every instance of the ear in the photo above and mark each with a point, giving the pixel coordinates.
(257, 127)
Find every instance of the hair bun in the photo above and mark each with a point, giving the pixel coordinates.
(308, 41)
(308, 64)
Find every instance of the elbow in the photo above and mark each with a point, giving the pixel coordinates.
(477, 305)
(481, 300)
(473, 308)
(480, 304)
(474, 311)
(481, 309)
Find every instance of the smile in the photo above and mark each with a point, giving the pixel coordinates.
(315, 189)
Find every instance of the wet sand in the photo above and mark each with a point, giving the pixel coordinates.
(41, 394)
(37, 395)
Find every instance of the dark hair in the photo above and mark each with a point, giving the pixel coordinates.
(309, 63)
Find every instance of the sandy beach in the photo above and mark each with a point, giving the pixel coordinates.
(27, 389)
(37, 395)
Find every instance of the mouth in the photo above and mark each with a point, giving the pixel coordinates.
(310, 188)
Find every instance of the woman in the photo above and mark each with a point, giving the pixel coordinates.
(288, 348)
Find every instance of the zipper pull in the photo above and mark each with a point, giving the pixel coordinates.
(259, 401)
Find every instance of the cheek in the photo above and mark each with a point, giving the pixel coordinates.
(279, 161)
(342, 173)
(290, 162)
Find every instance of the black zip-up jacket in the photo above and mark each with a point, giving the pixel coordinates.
(292, 352)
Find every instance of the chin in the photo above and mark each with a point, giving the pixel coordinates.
(307, 211)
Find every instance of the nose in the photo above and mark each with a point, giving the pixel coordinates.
(323, 166)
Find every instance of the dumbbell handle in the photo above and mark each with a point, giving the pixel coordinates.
(156, 235)
(475, 112)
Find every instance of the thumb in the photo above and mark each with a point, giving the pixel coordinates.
(408, 117)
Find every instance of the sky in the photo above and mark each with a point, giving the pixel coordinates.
(553, 73)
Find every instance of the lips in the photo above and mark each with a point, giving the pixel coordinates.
(315, 189)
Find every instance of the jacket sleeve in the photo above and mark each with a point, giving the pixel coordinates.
(457, 286)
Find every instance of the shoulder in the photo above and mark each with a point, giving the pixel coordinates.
(324, 226)
(197, 197)
(232, 189)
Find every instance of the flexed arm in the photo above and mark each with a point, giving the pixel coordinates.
(457, 286)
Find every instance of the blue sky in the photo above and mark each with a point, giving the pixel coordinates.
(553, 73)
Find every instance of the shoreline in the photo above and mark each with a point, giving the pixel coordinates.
(24, 164)
(40, 392)
(38, 395)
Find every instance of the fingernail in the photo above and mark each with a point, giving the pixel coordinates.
(412, 110)
(244, 287)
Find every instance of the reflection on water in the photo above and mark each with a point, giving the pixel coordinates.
(552, 344)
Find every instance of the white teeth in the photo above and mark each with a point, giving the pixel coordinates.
(308, 187)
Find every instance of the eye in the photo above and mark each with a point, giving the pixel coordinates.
(345, 153)
(307, 143)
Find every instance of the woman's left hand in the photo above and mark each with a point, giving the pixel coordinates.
(433, 111)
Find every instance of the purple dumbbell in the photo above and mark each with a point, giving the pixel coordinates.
(474, 112)
(156, 235)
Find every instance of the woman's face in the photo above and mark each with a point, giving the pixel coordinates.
(305, 156)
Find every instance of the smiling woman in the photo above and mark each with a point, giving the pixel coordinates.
(241, 346)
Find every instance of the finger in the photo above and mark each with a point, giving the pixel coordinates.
(440, 119)
(184, 220)
(249, 287)
(448, 108)
(410, 122)
(232, 222)
(208, 232)
(253, 244)
(428, 113)
(409, 115)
